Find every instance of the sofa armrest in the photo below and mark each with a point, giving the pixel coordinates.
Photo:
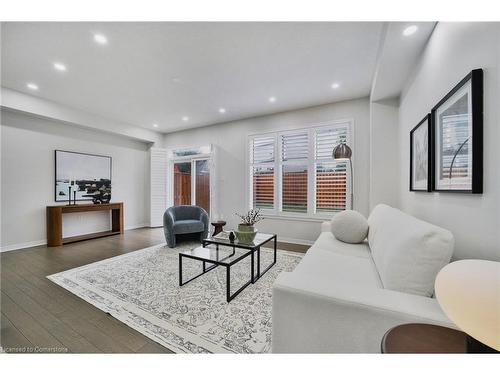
(318, 318)
(326, 226)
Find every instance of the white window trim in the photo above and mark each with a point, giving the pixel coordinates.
(276, 213)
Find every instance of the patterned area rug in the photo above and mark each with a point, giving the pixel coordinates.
(141, 289)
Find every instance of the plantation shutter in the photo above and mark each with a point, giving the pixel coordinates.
(262, 149)
(331, 175)
(294, 146)
(294, 171)
(262, 155)
(158, 185)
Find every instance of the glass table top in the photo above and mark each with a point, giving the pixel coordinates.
(259, 240)
(224, 254)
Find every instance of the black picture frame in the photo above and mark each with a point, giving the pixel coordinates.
(425, 122)
(476, 103)
(65, 199)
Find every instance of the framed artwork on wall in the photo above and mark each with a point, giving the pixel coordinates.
(457, 128)
(86, 174)
(420, 156)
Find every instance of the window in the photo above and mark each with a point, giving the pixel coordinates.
(262, 171)
(294, 152)
(331, 175)
(292, 173)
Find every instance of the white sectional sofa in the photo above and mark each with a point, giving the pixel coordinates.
(343, 297)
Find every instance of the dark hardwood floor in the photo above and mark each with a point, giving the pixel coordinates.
(39, 316)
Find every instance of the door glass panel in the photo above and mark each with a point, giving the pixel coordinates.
(202, 184)
(182, 183)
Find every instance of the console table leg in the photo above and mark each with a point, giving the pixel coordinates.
(117, 219)
(54, 227)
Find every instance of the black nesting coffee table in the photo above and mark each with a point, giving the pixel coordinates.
(226, 254)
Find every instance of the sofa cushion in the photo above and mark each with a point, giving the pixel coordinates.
(327, 242)
(349, 226)
(407, 252)
(331, 268)
(188, 226)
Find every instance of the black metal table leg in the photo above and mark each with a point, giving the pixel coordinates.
(256, 274)
(228, 283)
(205, 270)
(180, 270)
(229, 296)
(258, 262)
(275, 248)
(252, 267)
(272, 264)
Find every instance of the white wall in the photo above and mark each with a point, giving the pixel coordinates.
(231, 138)
(384, 151)
(454, 49)
(27, 177)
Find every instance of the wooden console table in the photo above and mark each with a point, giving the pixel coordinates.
(54, 222)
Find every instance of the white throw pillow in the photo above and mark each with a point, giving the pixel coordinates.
(349, 226)
(407, 252)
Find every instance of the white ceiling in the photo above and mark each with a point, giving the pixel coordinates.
(159, 72)
(398, 57)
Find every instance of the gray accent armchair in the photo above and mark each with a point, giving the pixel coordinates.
(183, 220)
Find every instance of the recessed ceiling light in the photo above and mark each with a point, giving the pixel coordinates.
(335, 85)
(101, 39)
(272, 99)
(155, 125)
(410, 30)
(222, 110)
(32, 86)
(185, 118)
(59, 66)
(176, 80)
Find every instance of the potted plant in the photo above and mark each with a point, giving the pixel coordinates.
(246, 231)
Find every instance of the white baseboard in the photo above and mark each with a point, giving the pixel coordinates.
(295, 240)
(26, 245)
(23, 245)
(144, 225)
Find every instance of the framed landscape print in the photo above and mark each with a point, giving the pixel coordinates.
(420, 156)
(457, 124)
(87, 174)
